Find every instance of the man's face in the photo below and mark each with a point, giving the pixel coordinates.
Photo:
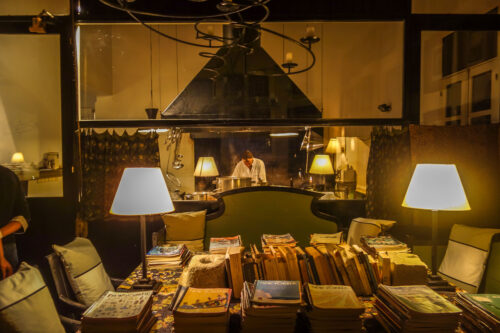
(248, 161)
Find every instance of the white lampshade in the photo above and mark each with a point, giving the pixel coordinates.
(17, 158)
(321, 165)
(142, 191)
(206, 167)
(436, 187)
(333, 146)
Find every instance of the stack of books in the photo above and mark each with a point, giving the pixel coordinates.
(322, 264)
(318, 239)
(333, 306)
(168, 256)
(201, 310)
(406, 269)
(277, 240)
(219, 245)
(270, 306)
(375, 245)
(415, 309)
(343, 265)
(481, 312)
(120, 312)
(234, 269)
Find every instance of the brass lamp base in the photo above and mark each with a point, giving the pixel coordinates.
(147, 284)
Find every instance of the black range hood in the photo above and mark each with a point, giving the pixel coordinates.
(241, 83)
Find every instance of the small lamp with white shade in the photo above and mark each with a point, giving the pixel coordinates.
(436, 187)
(321, 165)
(206, 167)
(141, 192)
(17, 158)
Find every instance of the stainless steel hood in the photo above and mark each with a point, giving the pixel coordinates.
(241, 83)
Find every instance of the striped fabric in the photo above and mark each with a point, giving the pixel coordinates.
(26, 304)
(84, 269)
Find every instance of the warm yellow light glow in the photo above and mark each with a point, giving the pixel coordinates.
(321, 165)
(206, 167)
(142, 191)
(333, 146)
(17, 158)
(436, 187)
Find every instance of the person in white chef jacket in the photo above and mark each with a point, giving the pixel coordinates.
(252, 167)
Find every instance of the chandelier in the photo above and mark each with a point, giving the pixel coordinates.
(225, 12)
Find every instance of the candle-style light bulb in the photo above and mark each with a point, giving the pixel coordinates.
(310, 31)
(288, 57)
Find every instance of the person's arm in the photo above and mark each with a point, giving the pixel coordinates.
(5, 266)
(236, 171)
(262, 172)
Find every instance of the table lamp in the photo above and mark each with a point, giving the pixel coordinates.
(141, 192)
(17, 158)
(321, 165)
(333, 148)
(436, 187)
(206, 167)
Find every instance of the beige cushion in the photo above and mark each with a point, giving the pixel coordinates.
(187, 228)
(465, 259)
(84, 269)
(26, 304)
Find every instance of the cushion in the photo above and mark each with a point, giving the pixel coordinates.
(26, 304)
(84, 269)
(465, 259)
(184, 227)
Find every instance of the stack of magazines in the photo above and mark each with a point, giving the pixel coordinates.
(201, 310)
(481, 312)
(168, 256)
(219, 245)
(277, 240)
(415, 309)
(374, 245)
(270, 306)
(333, 306)
(120, 312)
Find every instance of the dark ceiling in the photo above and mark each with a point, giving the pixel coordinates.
(281, 10)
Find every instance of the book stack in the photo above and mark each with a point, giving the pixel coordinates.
(234, 269)
(333, 306)
(120, 312)
(201, 310)
(407, 269)
(481, 312)
(275, 263)
(319, 239)
(277, 240)
(375, 245)
(343, 265)
(168, 256)
(270, 306)
(415, 309)
(219, 245)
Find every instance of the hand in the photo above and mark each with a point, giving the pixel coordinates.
(6, 267)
